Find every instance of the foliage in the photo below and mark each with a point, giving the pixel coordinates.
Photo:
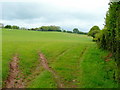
(11, 27)
(80, 32)
(93, 31)
(15, 27)
(75, 30)
(64, 30)
(8, 26)
(109, 37)
(50, 28)
(69, 32)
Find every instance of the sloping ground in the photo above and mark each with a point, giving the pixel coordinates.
(69, 60)
(67, 66)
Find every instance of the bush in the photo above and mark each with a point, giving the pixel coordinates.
(69, 31)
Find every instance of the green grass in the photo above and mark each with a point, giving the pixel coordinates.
(96, 72)
(75, 58)
(44, 80)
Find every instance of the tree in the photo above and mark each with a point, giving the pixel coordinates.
(8, 26)
(44, 28)
(50, 28)
(23, 28)
(109, 38)
(54, 28)
(69, 31)
(15, 27)
(75, 30)
(80, 32)
(93, 31)
(64, 30)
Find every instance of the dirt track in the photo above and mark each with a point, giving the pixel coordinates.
(14, 79)
(46, 66)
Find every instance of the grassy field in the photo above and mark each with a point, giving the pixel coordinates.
(75, 58)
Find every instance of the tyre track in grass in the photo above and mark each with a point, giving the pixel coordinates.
(83, 52)
(15, 78)
(80, 61)
(75, 81)
(34, 73)
(46, 66)
(62, 52)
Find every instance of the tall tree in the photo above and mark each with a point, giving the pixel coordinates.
(15, 27)
(109, 38)
(93, 31)
(75, 30)
(8, 26)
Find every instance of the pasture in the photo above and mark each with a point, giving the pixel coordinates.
(74, 58)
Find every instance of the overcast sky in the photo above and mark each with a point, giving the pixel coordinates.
(67, 14)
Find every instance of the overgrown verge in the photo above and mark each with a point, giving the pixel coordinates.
(109, 37)
(98, 69)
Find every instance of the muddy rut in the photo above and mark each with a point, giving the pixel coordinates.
(46, 66)
(14, 79)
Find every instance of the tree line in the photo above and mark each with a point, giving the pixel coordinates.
(46, 28)
(109, 37)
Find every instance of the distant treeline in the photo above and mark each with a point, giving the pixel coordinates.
(46, 28)
(109, 37)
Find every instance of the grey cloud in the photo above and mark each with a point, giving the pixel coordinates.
(48, 14)
(24, 11)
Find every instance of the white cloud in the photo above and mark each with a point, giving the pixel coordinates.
(68, 14)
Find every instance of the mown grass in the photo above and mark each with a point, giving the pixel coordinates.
(75, 58)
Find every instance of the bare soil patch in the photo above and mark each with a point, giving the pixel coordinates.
(14, 79)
